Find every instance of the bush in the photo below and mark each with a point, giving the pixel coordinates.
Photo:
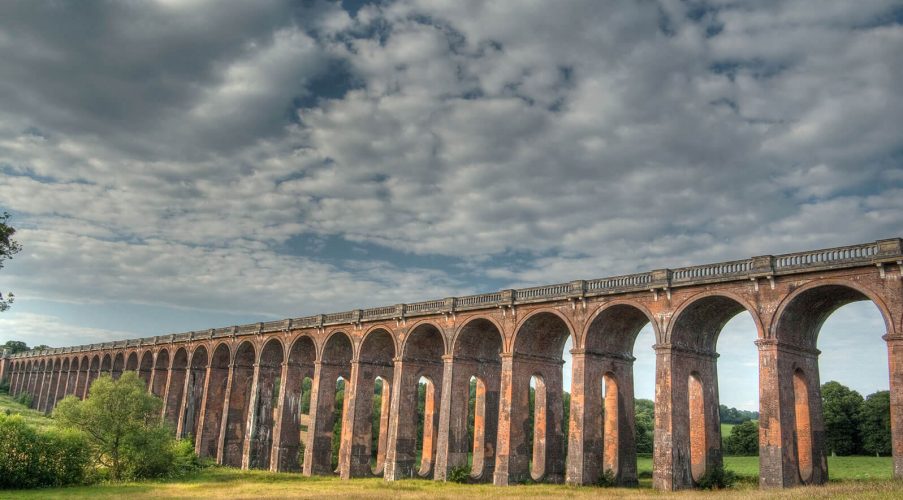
(30, 458)
(4, 386)
(607, 479)
(460, 474)
(716, 478)
(125, 431)
(25, 399)
(743, 440)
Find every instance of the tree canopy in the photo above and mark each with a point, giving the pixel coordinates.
(8, 248)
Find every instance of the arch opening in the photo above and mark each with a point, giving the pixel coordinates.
(325, 421)
(176, 388)
(93, 373)
(269, 376)
(161, 374)
(118, 365)
(213, 405)
(477, 356)
(296, 405)
(539, 356)
(196, 375)
(239, 405)
(146, 368)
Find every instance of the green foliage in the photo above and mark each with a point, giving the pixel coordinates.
(8, 248)
(30, 458)
(743, 440)
(459, 474)
(124, 429)
(645, 424)
(14, 347)
(874, 424)
(25, 399)
(607, 479)
(842, 407)
(4, 386)
(735, 416)
(716, 478)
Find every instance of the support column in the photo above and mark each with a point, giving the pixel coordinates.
(687, 423)
(286, 415)
(895, 360)
(180, 419)
(224, 421)
(789, 432)
(585, 444)
(251, 421)
(444, 459)
(508, 457)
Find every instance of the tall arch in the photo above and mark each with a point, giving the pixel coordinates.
(334, 362)
(118, 365)
(792, 429)
(538, 353)
(160, 376)
(93, 373)
(211, 418)
(194, 393)
(106, 364)
(602, 439)
(687, 401)
(294, 418)
(62, 383)
(176, 387)
(50, 397)
(375, 360)
(421, 357)
(82, 378)
(476, 353)
(131, 362)
(239, 403)
(265, 403)
(146, 368)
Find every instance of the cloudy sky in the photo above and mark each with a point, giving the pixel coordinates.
(175, 165)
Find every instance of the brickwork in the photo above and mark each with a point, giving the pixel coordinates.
(219, 386)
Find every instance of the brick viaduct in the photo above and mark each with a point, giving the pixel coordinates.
(221, 385)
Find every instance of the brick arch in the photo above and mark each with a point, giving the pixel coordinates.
(330, 342)
(521, 332)
(822, 298)
(370, 337)
(611, 308)
(468, 326)
(709, 312)
(417, 326)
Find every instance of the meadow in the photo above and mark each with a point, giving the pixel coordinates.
(859, 477)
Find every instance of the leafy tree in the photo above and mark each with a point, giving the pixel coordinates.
(874, 423)
(123, 424)
(842, 408)
(8, 248)
(743, 440)
(735, 416)
(645, 424)
(14, 346)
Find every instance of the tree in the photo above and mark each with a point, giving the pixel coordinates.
(743, 440)
(842, 407)
(123, 425)
(645, 424)
(8, 248)
(874, 424)
(14, 346)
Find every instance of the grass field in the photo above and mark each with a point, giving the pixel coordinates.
(33, 417)
(852, 477)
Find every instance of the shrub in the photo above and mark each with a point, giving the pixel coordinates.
(30, 458)
(607, 479)
(25, 399)
(743, 440)
(716, 478)
(4, 386)
(124, 429)
(459, 474)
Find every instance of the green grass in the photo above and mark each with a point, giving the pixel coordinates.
(10, 406)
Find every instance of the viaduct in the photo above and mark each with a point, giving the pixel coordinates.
(236, 390)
